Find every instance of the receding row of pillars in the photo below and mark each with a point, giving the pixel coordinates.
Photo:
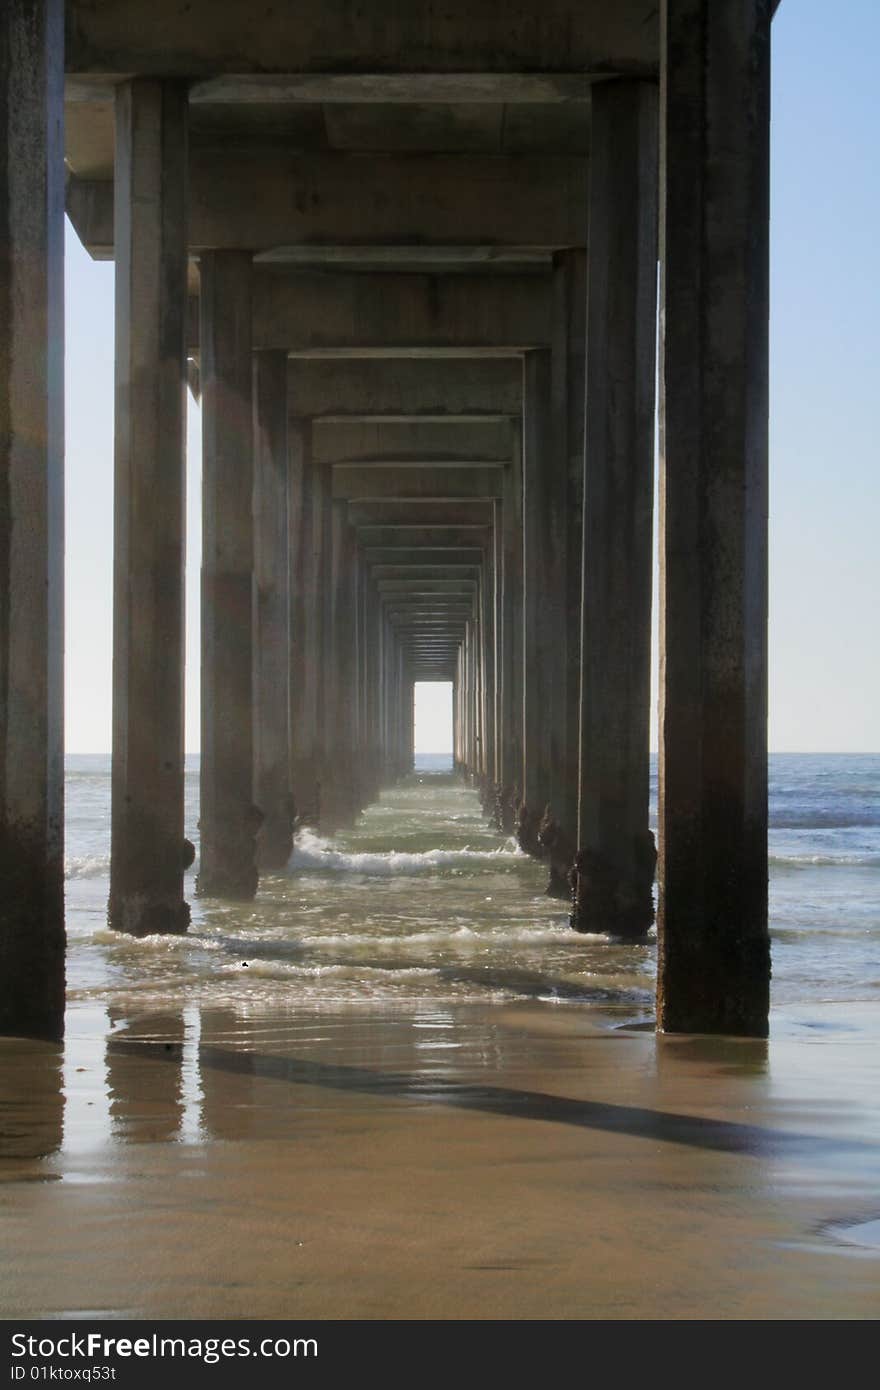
(306, 680)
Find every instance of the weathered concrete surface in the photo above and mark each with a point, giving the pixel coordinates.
(477, 40)
(437, 539)
(229, 819)
(306, 502)
(31, 519)
(714, 953)
(272, 785)
(511, 667)
(392, 315)
(147, 854)
(565, 484)
(446, 443)
(616, 857)
(263, 197)
(540, 605)
(340, 792)
(415, 484)
(474, 515)
(347, 390)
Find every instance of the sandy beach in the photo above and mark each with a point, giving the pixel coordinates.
(515, 1162)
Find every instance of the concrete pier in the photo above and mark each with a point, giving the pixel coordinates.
(562, 484)
(714, 961)
(230, 820)
(31, 518)
(272, 784)
(147, 854)
(414, 282)
(613, 890)
(542, 619)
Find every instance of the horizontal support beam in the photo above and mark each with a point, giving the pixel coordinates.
(361, 389)
(424, 512)
(425, 588)
(260, 197)
(409, 538)
(396, 315)
(427, 556)
(417, 484)
(566, 44)
(417, 571)
(436, 444)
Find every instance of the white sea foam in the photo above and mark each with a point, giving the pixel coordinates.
(825, 860)
(87, 866)
(312, 854)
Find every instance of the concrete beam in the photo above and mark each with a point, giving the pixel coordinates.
(420, 573)
(395, 316)
(554, 42)
(425, 588)
(425, 557)
(423, 512)
(441, 444)
(409, 538)
(365, 391)
(261, 197)
(416, 484)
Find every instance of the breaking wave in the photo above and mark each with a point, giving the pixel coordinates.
(87, 866)
(311, 854)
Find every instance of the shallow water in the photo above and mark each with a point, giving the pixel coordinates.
(423, 903)
(397, 1085)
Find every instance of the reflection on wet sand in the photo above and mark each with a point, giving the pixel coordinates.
(450, 1161)
(31, 1107)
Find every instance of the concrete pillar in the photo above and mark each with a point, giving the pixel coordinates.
(31, 518)
(563, 481)
(322, 530)
(306, 619)
(542, 619)
(615, 862)
(229, 820)
(487, 635)
(339, 803)
(147, 859)
(272, 786)
(714, 956)
(511, 637)
(497, 563)
(374, 689)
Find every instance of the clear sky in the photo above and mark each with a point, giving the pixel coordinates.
(825, 392)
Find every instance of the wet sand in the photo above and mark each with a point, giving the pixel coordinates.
(452, 1162)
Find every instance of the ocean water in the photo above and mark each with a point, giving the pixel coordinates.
(423, 906)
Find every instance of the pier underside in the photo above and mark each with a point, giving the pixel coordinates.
(375, 243)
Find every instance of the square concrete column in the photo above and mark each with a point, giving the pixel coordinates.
(322, 633)
(32, 518)
(542, 596)
(374, 688)
(149, 558)
(511, 636)
(487, 672)
(714, 953)
(564, 487)
(497, 568)
(615, 864)
(272, 787)
(229, 819)
(305, 621)
(339, 802)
